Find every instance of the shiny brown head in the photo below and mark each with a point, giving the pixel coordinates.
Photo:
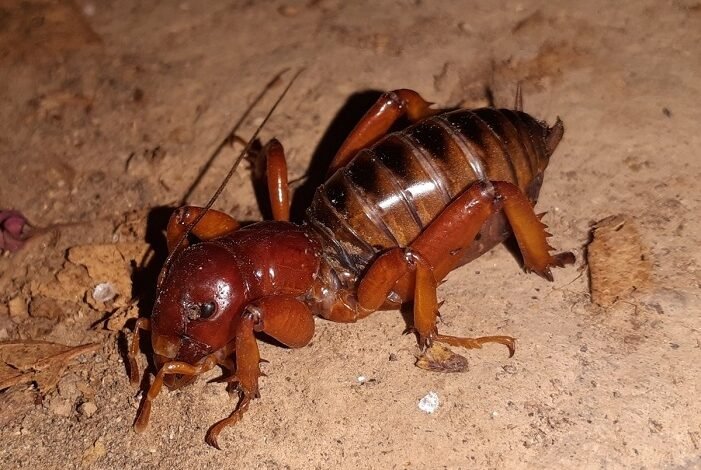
(197, 307)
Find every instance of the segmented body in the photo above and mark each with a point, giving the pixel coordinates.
(391, 191)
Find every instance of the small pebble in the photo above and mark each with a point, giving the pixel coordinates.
(60, 406)
(104, 292)
(429, 403)
(18, 309)
(87, 409)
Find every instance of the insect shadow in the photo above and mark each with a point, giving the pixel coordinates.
(145, 275)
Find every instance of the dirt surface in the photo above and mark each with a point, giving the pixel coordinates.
(111, 109)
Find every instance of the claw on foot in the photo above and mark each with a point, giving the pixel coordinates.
(213, 433)
(476, 343)
(559, 260)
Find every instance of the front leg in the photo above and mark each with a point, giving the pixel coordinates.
(169, 368)
(282, 317)
(135, 348)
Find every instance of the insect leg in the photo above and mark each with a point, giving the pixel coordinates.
(169, 368)
(453, 230)
(426, 314)
(276, 175)
(281, 317)
(212, 225)
(435, 249)
(373, 289)
(379, 119)
(426, 260)
(134, 348)
(530, 232)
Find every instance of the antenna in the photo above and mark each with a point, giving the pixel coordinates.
(235, 165)
(518, 100)
(230, 136)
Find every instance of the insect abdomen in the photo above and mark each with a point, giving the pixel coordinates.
(389, 192)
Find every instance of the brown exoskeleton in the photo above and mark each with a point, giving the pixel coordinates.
(397, 214)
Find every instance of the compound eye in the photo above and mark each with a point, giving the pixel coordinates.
(201, 311)
(207, 309)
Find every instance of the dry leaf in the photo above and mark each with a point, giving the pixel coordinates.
(36, 361)
(439, 358)
(618, 261)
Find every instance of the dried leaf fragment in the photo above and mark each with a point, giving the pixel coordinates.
(37, 361)
(439, 358)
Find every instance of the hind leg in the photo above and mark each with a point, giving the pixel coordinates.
(441, 239)
(530, 232)
(390, 107)
(436, 247)
(451, 232)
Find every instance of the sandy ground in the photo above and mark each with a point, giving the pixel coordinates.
(110, 110)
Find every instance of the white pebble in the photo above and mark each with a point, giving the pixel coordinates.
(361, 379)
(104, 292)
(429, 403)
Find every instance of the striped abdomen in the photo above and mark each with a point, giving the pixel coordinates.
(389, 192)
